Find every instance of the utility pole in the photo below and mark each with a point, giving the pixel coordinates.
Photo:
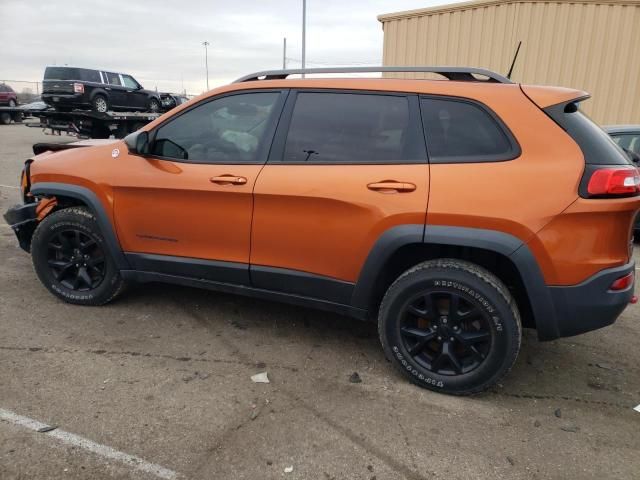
(304, 34)
(284, 53)
(206, 60)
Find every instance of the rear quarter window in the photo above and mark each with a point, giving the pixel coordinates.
(461, 131)
(90, 75)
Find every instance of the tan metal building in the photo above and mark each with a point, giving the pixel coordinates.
(593, 45)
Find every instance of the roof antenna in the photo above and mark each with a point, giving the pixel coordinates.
(513, 63)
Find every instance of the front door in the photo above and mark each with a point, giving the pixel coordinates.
(344, 168)
(136, 97)
(186, 209)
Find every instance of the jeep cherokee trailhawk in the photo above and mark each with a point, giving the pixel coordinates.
(452, 211)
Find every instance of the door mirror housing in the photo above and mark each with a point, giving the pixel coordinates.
(138, 142)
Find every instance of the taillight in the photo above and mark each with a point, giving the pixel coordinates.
(78, 88)
(613, 182)
(622, 283)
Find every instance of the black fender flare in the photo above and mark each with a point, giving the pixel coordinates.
(499, 242)
(90, 199)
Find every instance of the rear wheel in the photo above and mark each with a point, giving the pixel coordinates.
(71, 258)
(100, 104)
(450, 326)
(12, 103)
(5, 118)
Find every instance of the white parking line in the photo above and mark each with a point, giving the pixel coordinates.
(637, 408)
(8, 186)
(104, 451)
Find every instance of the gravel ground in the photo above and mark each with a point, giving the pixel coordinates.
(164, 374)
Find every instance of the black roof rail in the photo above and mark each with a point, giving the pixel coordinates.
(462, 74)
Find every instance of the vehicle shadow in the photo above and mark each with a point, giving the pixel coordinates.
(582, 369)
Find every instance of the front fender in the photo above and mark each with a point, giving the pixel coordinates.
(91, 200)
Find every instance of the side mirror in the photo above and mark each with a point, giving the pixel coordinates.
(138, 142)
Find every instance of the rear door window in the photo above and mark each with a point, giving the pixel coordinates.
(355, 128)
(460, 131)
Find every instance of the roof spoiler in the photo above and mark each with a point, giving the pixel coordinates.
(545, 97)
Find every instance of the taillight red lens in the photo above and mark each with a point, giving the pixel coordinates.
(622, 283)
(78, 88)
(614, 181)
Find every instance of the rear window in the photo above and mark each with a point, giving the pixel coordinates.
(349, 128)
(462, 131)
(62, 73)
(597, 146)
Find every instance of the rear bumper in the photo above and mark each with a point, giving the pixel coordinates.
(64, 99)
(23, 221)
(591, 305)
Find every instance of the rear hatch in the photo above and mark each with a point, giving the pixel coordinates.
(594, 232)
(59, 80)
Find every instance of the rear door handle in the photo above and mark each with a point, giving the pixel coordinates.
(228, 180)
(391, 186)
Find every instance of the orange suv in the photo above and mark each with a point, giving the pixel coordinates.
(453, 211)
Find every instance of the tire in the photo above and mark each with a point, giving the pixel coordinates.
(66, 243)
(154, 105)
(12, 103)
(5, 118)
(458, 351)
(100, 104)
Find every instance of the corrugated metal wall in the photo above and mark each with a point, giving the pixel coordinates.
(589, 45)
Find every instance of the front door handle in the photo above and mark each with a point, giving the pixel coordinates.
(228, 180)
(391, 186)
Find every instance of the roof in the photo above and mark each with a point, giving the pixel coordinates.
(452, 7)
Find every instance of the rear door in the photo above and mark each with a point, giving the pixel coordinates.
(345, 167)
(185, 209)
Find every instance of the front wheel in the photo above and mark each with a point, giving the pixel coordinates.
(450, 326)
(154, 105)
(71, 258)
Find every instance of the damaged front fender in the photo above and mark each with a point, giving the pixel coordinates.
(24, 219)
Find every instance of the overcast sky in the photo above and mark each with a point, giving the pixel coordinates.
(160, 42)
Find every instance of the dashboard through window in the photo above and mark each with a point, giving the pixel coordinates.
(227, 130)
(348, 128)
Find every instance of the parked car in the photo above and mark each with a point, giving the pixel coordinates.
(431, 207)
(66, 88)
(627, 137)
(8, 97)
(172, 100)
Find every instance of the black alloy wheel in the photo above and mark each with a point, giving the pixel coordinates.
(445, 333)
(76, 260)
